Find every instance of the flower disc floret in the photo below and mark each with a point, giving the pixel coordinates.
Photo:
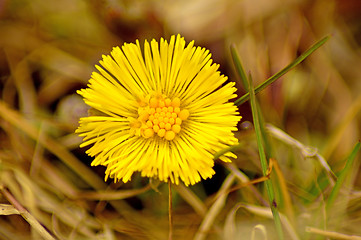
(160, 117)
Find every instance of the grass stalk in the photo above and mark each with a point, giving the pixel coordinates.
(170, 216)
(343, 174)
(276, 76)
(264, 164)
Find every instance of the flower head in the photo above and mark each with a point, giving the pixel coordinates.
(163, 113)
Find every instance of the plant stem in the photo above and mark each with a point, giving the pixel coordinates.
(170, 211)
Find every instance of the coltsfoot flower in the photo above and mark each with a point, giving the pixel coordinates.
(163, 113)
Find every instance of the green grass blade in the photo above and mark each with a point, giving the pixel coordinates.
(266, 141)
(345, 172)
(270, 80)
(264, 164)
(240, 70)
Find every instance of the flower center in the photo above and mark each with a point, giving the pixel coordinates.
(161, 116)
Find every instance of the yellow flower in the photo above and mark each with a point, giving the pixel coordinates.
(163, 113)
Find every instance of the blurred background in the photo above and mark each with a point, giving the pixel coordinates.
(48, 50)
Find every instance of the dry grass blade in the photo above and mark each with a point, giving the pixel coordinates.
(245, 180)
(34, 223)
(229, 229)
(333, 235)
(261, 229)
(111, 195)
(38, 202)
(7, 209)
(306, 151)
(266, 212)
(191, 199)
(215, 209)
(18, 121)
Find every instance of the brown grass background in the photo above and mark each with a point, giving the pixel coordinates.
(48, 50)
